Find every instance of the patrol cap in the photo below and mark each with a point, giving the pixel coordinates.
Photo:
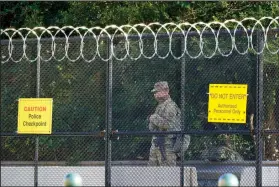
(160, 86)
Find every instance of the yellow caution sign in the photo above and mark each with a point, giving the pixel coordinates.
(227, 103)
(35, 116)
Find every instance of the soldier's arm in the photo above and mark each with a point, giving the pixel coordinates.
(163, 122)
(151, 127)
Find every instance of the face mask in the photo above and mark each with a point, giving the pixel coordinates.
(161, 96)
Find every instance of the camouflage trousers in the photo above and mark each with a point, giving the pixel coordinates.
(156, 158)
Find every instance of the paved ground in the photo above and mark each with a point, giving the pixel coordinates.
(207, 175)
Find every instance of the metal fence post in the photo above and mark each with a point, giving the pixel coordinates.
(182, 111)
(108, 117)
(38, 78)
(259, 111)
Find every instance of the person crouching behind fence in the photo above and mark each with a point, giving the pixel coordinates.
(166, 118)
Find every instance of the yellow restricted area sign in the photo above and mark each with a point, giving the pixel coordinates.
(35, 116)
(227, 103)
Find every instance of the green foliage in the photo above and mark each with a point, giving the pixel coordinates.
(102, 13)
(106, 13)
(30, 14)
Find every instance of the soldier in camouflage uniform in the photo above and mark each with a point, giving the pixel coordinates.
(166, 118)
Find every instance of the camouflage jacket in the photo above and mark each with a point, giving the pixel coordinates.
(166, 118)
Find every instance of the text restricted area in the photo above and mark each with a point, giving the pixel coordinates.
(35, 115)
(227, 103)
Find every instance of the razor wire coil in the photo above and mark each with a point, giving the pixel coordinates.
(114, 33)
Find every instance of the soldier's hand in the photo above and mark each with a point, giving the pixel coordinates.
(164, 127)
(151, 127)
(152, 118)
(148, 118)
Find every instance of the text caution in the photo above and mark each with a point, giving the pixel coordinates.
(35, 116)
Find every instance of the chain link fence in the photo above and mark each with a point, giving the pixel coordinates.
(101, 109)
